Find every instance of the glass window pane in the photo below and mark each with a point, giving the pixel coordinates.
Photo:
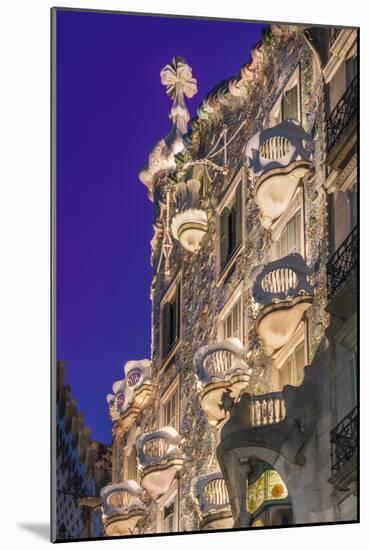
(300, 362)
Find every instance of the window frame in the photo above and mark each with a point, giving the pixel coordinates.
(235, 298)
(129, 447)
(280, 359)
(228, 197)
(170, 497)
(173, 388)
(275, 114)
(175, 285)
(297, 203)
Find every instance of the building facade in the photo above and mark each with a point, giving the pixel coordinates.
(82, 469)
(245, 414)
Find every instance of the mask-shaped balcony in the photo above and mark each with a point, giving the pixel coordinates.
(282, 294)
(212, 502)
(277, 159)
(219, 367)
(130, 395)
(190, 223)
(159, 459)
(122, 507)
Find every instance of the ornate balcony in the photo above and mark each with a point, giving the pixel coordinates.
(212, 502)
(130, 395)
(344, 449)
(159, 459)
(342, 264)
(219, 367)
(122, 507)
(266, 409)
(190, 224)
(341, 116)
(277, 158)
(342, 283)
(281, 293)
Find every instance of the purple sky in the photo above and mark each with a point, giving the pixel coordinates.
(111, 109)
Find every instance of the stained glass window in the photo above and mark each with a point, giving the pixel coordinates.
(269, 486)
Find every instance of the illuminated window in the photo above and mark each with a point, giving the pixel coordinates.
(268, 487)
(169, 409)
(290, 239)
(232, 323)
(292, 371)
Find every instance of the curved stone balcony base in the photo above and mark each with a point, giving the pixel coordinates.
(211, 396)
(126, 420)
(122, 507)
(217, 520)
(123, 524)
(142, 395)
(189, 227)
(158, 478)
(275, 189)
(277, 323)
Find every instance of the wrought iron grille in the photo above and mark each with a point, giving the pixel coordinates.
(344, 441)
(343, 261)
(342, 114)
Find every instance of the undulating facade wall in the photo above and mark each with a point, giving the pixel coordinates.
(214, 285)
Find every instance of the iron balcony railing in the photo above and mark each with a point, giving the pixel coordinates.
(342, 114)
(344, 441)
(341, 264)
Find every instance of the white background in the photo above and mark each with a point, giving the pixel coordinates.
(24, 273)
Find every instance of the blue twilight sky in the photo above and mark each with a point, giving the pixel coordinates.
(111, 109)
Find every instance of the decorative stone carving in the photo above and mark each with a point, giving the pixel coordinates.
(282, 293)
(159, 459)
(177, 77)
(122, 507)
(226, 91)
(190, 224)
(277, 160)
(218, 367)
